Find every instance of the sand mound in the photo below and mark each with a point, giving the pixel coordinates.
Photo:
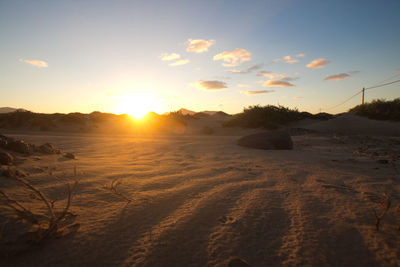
(355, 125)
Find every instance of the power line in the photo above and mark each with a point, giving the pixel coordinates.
(345, 101)
(385, 80)
(367, 88)
(377, 86)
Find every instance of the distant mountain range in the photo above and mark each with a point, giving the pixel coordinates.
(8, 109)
(208, 112)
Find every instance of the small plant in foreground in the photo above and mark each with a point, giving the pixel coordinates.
(385, 205)
(43, 224)
(113, 189)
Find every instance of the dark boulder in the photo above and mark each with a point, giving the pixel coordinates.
(272, 140)
(48, 149)
(236, 262)
(69, 155)
(21, 147)
(6, 158)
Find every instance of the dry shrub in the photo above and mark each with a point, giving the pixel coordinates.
(48, 223)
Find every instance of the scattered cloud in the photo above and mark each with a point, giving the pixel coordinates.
(242, 85)
(289, 59)
(210, 85)
(277, 83)
(271, 75)
(290, 79)
(276, 76)
(248, 70)
(298, 97)
(340, 76)
(233, 58)
(198, 45)
(258, 92)
(35, 62)
(168, 57)
(398, 70)
(337, 77)
(180, 62)
(318, 63)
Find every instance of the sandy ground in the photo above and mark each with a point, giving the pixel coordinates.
(202, 200)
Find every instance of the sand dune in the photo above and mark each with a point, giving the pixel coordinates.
(201, 200)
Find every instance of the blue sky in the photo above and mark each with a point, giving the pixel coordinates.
(66, 56)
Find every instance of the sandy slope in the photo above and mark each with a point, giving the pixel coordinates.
(201, 200)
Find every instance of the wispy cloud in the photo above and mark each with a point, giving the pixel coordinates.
(276, 76)
(340, 76)
(289, 59)
(297, 97)
(242, 85)
(35, 62)
(337, 77)
(258, 92)
(271, 75)
(248, 70)
(277, 83)
(180, 62)
(318, 63)
(168, 57)
(233, 58)
(210, 85)
(198, 45)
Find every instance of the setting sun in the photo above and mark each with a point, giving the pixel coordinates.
(137, 105)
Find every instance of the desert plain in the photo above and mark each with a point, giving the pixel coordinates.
(192, 199)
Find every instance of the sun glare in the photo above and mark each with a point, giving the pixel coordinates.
(137, 105)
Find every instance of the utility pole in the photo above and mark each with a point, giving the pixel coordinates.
(363, 95)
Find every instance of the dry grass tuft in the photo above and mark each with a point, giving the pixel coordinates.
(113, 188)
(385, 205)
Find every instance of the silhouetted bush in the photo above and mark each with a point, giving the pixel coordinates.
(74, 118)
(180, 117)
(269, 117)
(379, 109)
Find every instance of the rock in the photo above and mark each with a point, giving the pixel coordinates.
(236, 262)
(69, 155)
(6, 158)
(274, 140)
(48, 149)
(21, 147)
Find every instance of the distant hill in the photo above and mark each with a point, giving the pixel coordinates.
(184, 111)
(8, 109)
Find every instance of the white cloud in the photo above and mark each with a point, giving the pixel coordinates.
(277, 83)
(210, 85)
(233, 58)
(318, 63)
(198, 45)
(35, 62)
(168, 57)
(337, 77)
(258, 92)
(180, 62)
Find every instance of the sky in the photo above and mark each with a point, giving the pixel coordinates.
(137, 56)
